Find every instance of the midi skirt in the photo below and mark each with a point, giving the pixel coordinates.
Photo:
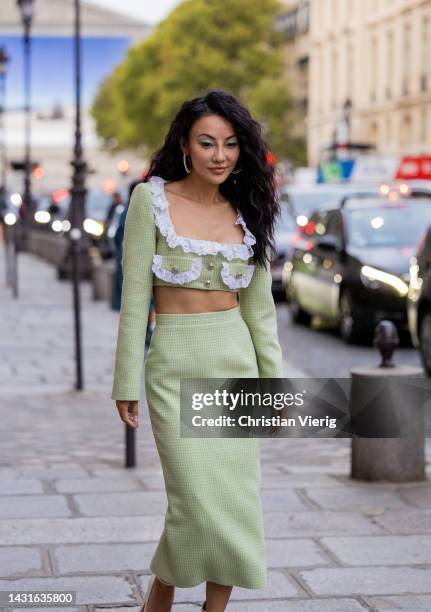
(213, 529)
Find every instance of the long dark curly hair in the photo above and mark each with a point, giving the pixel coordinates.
(253, 191)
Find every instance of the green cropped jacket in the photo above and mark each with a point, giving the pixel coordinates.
(154, 255)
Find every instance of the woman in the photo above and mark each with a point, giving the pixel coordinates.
(198, 232)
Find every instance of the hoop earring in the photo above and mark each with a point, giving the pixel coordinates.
(236, 171)
(185, 164)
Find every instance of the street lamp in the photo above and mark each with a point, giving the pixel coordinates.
(78, 238)
(26, 8)
(3, 64)
(9, 226)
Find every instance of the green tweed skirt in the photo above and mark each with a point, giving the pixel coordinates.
(213, 528)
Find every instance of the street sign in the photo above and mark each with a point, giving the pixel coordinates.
(370, 168)
(414, 168)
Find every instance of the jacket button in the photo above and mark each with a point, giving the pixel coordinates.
(211, 265)
(207, 283)
(174, 269)
(238, 275)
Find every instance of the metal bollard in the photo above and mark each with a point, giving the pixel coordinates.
(130, 448)
(377, 405)
(101, 274)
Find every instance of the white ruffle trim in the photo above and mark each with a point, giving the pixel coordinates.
(176, 277)
(233, 282)
(192, 245)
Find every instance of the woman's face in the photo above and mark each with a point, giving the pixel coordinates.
(212, 144)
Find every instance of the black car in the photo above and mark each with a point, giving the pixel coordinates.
(9, 207)
(350, 263)
(97, 204)
(419, 299)
(285, 229)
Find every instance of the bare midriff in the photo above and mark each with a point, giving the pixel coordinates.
(181, 300)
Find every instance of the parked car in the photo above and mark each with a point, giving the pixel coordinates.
(418, 186)
(96, 207)
(285, 230)
(419, 299)
(303, 201)
(9, 207)
(350, 264)
(97, 204)
(51, 210)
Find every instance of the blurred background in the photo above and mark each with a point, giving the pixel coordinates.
(341, 88)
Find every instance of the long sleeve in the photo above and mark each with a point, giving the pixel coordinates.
(258, 311)
(138, 250)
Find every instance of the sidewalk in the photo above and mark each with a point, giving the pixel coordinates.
(73, 518)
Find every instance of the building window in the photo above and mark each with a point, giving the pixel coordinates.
(303, 17)
(388, 132)
(373, 133)
(350, 71)
(318, 78)
(334, 78)
(389, 63)
(407, 65)
(426, 51)
(424, 126)
(326, 79)
(373, 68)
(406, 130)
(294, 22)
(302, 68)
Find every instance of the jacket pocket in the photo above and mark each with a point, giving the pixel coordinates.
(236, 275)
(177, 269)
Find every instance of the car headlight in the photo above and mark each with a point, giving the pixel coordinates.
(415, 280)
(10, 218)
(93, 227)
(42, 216)
(57, 226)
(375, 278)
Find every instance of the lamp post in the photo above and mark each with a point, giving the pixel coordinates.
(3, 64)
(78, 238)
(9, 228)
(26, 8)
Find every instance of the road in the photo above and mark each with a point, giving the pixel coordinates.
(322, 352)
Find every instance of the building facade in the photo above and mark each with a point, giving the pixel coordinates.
(370, 75)
(293, 23)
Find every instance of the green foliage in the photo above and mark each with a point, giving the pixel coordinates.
(201, 45)
(271, 104)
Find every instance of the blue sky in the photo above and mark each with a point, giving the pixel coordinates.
(52, 58)
(53, 71)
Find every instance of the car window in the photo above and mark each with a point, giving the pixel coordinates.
(334, 224)
(285, 221)
(391, 225)
(316, 225)
(307, 203)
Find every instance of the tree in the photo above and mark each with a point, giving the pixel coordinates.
(272, 105)
(201, 45)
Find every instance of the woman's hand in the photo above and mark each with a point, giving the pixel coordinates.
(130, 417)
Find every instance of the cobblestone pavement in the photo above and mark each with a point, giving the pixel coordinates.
(72, 517)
